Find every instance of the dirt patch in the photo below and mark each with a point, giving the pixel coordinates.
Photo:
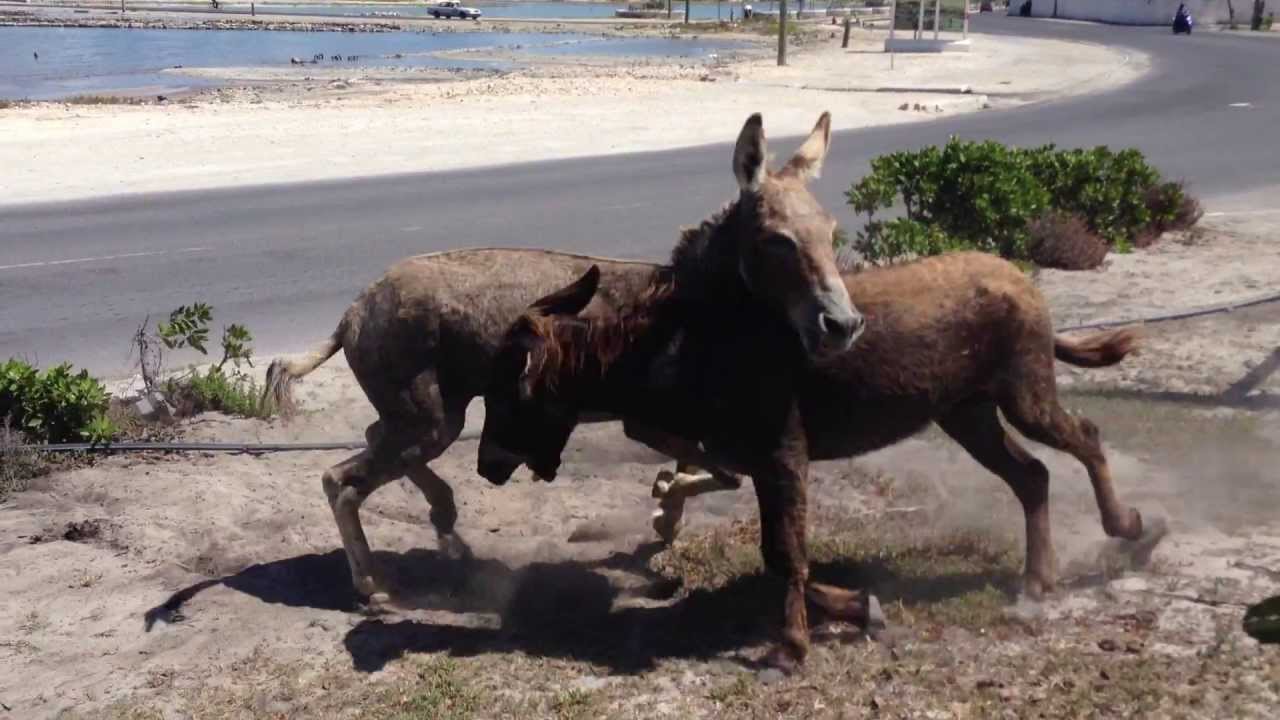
(223, 592)
(84, 530)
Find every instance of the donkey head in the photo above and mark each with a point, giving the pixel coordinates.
(528, 420)
(784, 241)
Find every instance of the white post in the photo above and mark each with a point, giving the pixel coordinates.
(966, 19)
(920, 23)
(893, 24)
(937, 13)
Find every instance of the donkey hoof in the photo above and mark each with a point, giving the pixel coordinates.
(876, 621)
(1128, 529)
(378, 603)
(662, 484)
(780, 662)
(1141, 549)
(1035, 589)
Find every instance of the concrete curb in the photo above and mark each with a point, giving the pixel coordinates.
(920, 89)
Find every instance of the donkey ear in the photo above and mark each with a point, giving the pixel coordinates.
(749, 155)
(806, 164)
(572, 299)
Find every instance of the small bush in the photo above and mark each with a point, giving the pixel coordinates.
(1171, 208)
(55, 405)
(214, 391)
(218, 389)
(18, 465)
(1063, 240)
(984, 196)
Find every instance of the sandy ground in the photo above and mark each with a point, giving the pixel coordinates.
(266, 132)
(263, 624)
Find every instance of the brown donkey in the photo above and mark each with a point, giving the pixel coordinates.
(955, 340)
(714, 354)
(420, 341)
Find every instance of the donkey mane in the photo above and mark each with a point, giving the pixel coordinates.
(697, 271)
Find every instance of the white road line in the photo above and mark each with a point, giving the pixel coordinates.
(122, 256)
(411, 228)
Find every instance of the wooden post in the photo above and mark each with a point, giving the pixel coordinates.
(686, 12)
(966, 20)
(782, 32)
(937, 14)
(253, 11)
(668, 9)
(845, 43)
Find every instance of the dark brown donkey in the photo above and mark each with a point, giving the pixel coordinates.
(747, 302)
(955, 340)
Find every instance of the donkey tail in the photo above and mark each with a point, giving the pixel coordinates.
(1097, 350)
(277, 391)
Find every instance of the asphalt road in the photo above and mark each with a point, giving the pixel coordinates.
(77, 278)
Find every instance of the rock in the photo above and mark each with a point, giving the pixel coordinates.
(770, 676)
(589, 683)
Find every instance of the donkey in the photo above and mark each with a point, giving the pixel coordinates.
(956, 340)
(421, 341)
(724, 335)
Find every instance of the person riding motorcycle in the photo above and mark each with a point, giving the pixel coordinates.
(1182, 20)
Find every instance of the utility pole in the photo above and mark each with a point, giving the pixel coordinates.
(686, 12)
(782, 32)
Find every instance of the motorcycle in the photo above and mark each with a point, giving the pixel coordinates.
(1182, 23)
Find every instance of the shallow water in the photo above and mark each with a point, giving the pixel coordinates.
(75, 61)
(525, 10)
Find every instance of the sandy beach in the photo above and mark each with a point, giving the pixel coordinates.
(263, 125)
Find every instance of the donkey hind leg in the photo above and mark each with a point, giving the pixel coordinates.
(1035, 412)
(976, 427)
(673, 489)
(444, 510)
(347, 485)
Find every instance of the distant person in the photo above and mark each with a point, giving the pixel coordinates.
(36, 55)
(746, 12)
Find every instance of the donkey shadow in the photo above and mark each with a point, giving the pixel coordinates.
(562, 610)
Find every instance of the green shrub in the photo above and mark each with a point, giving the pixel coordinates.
(217, 389)
(1170, 208)
(1108, 190)
(214, 391)
(55, 405)
(984, 196)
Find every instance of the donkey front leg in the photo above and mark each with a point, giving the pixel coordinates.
(781, 494)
